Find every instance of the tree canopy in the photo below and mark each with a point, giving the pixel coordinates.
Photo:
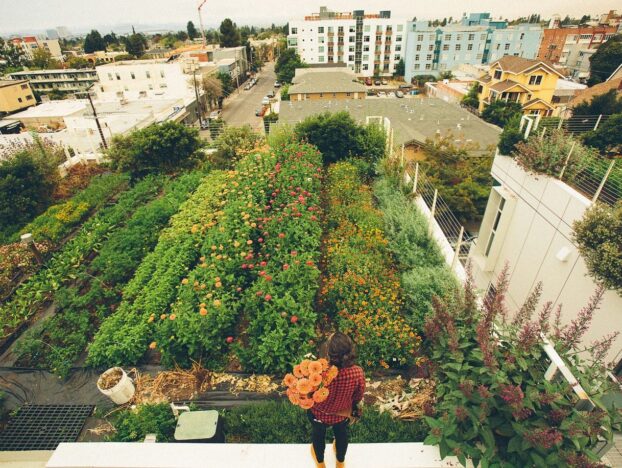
(608, 136)
(605, 60)
(229, 34)
(93, 41)
(501, 112)
(191, 30)
(606, 104)
(471, 99)
(135, 44)
(286, 65)
(166, 147)
(42, 59)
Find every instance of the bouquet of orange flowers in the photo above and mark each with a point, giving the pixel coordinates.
(308, 384)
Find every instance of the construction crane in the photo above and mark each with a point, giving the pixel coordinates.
(202, 2)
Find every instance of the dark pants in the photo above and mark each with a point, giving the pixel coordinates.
(318, 437)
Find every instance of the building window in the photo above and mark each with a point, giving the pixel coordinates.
(132, 75)
(491, 294)
(320, 58)
(398, 38)
(400, 27)
(320, 30)
(294, 30)
(428, 66)
(161, 75)
(483, 37)
(340, 30)
(29, 97)
(431, 47)
(469, 46)
(19, 99)
(495, 225)
(320, 49)
(458, 37)
(352, 39)
(118, 76)
(535, 80)
(367, 28)
(366, 48)
(417, 66)
(458, 46)
(162, 85)
(147, 74)
(398, 48)
(125, 88)
(507, 46)
(24, 86)
(350, 58)
(352, 29)
(378, 38)
(417, 57)
(150, 87)
(445, 46)
(448, 37)
(471, 37)
(365, 58)
(419, 38)
(331, 29)
(365, 66)
(396, 57)
(522, 36)
(585, 36)
(348, 94)
(366, 39)
(320, 39)
(428, 57)
(497, 74)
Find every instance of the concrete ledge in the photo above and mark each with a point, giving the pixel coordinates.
(161, 455)
(25, 459)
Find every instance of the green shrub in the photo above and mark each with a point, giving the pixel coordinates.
(134, 425)
(501, 112)
(510, 136)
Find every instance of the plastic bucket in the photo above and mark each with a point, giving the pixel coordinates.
(123, 391)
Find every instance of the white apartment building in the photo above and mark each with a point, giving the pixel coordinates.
(528, 226)
(369, 44)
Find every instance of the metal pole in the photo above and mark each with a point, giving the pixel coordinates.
(602, 182)
(561, 174)
(457, 250)
(432, 210)
(416, 178)
(542, 134)
(598, 121)
(99, 128)
(201, 23)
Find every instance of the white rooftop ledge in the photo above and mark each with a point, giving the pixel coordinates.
(177, 455)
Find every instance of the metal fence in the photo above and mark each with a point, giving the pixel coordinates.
(576, 125)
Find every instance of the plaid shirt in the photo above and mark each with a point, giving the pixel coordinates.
(345, 391)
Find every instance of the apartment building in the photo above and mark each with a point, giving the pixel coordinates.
(369, 44)
(70, 80)
(556, 42)
(531, 83)
(15, 95)
(31, 43)
(476, 40)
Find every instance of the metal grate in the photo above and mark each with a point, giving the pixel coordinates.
(43, 427)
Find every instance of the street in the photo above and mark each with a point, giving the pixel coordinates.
(240, 108)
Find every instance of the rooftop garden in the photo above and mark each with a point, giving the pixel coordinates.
(246, 259)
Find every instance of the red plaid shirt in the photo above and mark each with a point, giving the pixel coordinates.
(345, 391)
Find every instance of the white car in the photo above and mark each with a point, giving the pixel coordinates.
(391, 94)
(384, 82)
(265, 101)
(382, 94)
(277, 84)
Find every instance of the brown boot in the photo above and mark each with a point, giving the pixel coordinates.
(317, 463)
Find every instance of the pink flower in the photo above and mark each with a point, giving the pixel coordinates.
(267, 297)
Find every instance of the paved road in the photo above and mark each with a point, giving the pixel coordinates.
(240, 108)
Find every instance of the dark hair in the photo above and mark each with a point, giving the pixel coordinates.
(341, 350)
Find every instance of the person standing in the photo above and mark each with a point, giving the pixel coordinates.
(346, 392)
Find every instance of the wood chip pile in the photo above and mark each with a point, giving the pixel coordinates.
(402, 399)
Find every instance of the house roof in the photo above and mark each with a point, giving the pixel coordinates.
(512, 64)
(504, 85)
(535, 101)
(326, 82)
(484, 79)
(601, 88)
(5, 83)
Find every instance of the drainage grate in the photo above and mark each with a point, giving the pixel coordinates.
(43, 427)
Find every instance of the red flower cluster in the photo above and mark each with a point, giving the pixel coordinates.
(544, 438)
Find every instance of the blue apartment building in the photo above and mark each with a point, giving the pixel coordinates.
(476, 40)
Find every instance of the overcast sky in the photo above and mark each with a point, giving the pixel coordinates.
(23, 16)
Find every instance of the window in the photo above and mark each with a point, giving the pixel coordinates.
(398, 48)
(161, 73)
(365, 66)
(19, 99)
(331, 29)
(398, 38)
(471, 37)
(400, 27)
(428, 57)
(522, 36)
(366, 48)
(352, 29)
(469, 46)
(340, 30)
(417, 66)
(428, 66)
(365, 58)
(162, 85)
(491, 293)
(535, 80)
(350, 58)
(432, 37)
(417, 57)
(507, 47)
(479, 56)
(118, 76)
(497, 74)
(483, 37)
(586, 36)
(320, 39)
(294, 30)
(367, 28)
(418, 47)
(448, 37)
(366, 39)
(150, 87)
(396, 57)
(445, 46)
(378, 38)
(24, 86)
(147, 74)
(126, 88)
(132, 75)
(320, 49)
(320, 30)
(320, 58)
(378, 29)
(458, 46)
(495, 225)
(431, 47)
(458, 37)
(419, 38)
(29, 97)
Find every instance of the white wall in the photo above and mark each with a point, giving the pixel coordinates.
(535, 225)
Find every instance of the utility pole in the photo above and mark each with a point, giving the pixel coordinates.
(196, 93)
(201, 22)
(99, 128)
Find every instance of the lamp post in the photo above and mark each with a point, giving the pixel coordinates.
(29, 242)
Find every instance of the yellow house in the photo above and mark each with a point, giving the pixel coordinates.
(531, 83)
(15, 95)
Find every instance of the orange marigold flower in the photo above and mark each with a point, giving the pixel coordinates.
(324, 363)
(162, 317)
(305, 403)
(290, 381)
(184, 281)
(203, 311)
(315, 379)
(298, 371)
(304, 366)
(293, 396)
(152, 345)
(315, 367)
(304, 386)
(321, 395)
(173, 317)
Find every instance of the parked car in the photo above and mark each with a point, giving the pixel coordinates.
(204, 124)
(391, 94)
(384, 82)
(258, 112)
(368, 81)
(405, 86)
(248, 85)
(277, 84)
(377, 82)
(270, 94)
(215, 114)
(381, 94)
(265, 101)
(399, 94)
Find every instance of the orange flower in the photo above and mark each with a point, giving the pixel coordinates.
(321, 395)
(298, 371)
(330, 375)
(290, 381)
(304, 386)
(152, 345)
(203, 311)
(293, 396)
(304, 367)
(324, 363)
(305, 403)
(315, 379)
(173, 317)
(315, 367)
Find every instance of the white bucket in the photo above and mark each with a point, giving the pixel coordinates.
(123, 391)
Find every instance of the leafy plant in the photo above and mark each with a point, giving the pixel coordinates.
(471, 99)
(510, 136)
(599, 239)
(134, 424)
(501, 112)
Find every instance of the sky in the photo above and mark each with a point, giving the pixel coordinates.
(80, 15)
